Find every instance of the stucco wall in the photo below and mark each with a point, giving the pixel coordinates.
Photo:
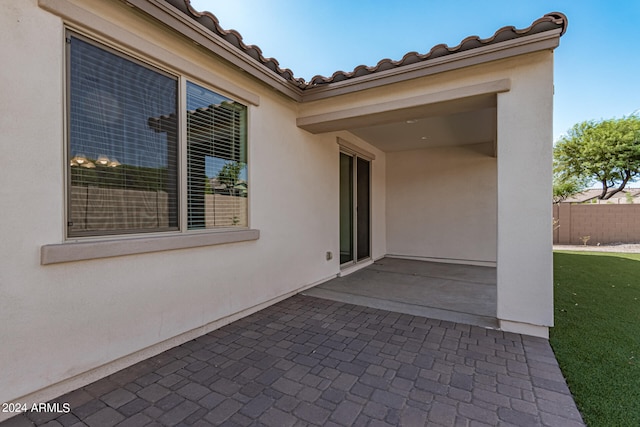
(59, 322)
(441, 204)
(63, 325)
(525, 135)
(524, 150)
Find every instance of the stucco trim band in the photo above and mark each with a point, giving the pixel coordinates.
(400, 109)
(81, 251)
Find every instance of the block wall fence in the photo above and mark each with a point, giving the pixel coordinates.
(615, 223)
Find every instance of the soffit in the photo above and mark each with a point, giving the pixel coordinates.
(447, 102)
(464, 128)
(465, 116)
(463, 121)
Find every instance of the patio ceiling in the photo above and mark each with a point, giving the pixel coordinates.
(463, 116)
(429, 131)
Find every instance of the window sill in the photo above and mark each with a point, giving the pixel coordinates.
(68, 252)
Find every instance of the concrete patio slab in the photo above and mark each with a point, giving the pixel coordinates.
(309, 361)
(452, 292)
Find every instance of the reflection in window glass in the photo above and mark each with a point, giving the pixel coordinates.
(122, 144)
(216, 160)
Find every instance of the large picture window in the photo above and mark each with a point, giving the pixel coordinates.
(125, 149)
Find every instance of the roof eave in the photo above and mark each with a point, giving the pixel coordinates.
(200, 35)
(192, 30)
(547, 40)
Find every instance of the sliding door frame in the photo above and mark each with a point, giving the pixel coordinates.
(356, 228)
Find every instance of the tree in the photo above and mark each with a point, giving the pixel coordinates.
(565, 187)
(229, 175)
(606, 152)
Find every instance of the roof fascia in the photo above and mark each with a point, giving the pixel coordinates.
(198, 34)
(547, 40)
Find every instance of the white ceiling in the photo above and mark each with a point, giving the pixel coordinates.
(463, 128)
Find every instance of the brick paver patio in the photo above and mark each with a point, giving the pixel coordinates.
(308, 361)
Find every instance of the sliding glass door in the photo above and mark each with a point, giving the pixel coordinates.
(355, 209)
(363, 215)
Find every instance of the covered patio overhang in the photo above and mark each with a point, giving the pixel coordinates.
(453, 187)
(441, 194)
(460, 116)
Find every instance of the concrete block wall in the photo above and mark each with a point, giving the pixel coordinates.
(603, 223)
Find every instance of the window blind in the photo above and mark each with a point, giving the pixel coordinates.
(216, 160)
(122, 143)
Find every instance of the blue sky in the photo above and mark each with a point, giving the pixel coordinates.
(596, 64)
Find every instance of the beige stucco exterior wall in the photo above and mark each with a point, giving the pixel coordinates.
(525, 258)
(524, 150)
(64, 325)
(441, 204)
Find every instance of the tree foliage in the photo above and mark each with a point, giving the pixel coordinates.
(565, 187)
(230, 173)
(605, 152)
(229, 176)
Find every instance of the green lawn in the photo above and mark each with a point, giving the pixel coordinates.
(596, 337)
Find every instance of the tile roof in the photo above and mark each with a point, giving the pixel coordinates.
(550, 21)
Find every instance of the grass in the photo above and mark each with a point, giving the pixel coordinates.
(596, 337)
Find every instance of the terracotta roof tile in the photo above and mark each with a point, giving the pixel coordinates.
(234, 38)
(548, 22)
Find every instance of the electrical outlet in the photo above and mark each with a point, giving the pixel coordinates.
(329, 255)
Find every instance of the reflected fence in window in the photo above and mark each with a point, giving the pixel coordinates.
(112, 209)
